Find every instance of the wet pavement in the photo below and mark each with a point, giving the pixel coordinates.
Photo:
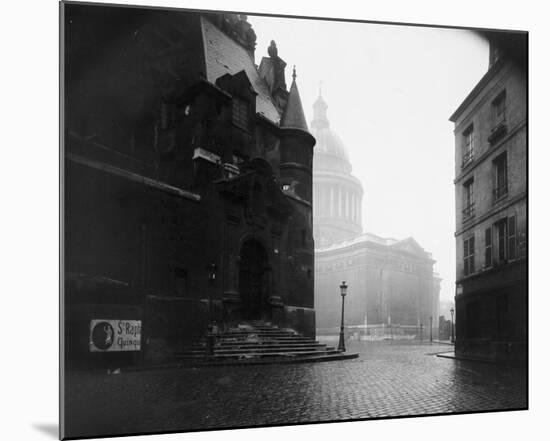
(388, 379)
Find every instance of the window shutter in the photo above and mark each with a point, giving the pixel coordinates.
(512, 237)
(488, 248)
(471, 265)
(466, 272)
(469, 256)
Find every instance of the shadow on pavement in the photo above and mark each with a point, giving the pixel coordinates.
(48, 429)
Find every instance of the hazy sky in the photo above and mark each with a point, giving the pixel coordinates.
(390, 91)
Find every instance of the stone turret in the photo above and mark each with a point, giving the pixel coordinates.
(296, 146)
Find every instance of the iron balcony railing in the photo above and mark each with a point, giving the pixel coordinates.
(500, 191)
(467, 158)
(499, 129)
(468, 212)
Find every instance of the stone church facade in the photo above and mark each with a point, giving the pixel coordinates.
(187, 181)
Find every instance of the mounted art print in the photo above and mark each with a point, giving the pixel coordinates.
(266, 218)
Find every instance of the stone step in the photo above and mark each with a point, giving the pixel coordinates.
(255, 341)
(257, 334)
(260, 332)
(273, 360)
(218, 350)
(260, 343)
(225, 341)
(259, 354)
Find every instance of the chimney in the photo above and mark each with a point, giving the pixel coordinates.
(272, 71)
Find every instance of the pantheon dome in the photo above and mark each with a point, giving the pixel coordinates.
(337, 194)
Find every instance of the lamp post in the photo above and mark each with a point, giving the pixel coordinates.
(452, 325)
(341, 343)
(211, 268)
(431, 329)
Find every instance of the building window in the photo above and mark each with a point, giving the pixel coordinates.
(488, 247)
(498, 109)
(241, 114)
(180, 276)
(500, 177)
(511, 237)
(468, 145)
(500, 228)
(468, 210)
(505, 232)
(469, 256)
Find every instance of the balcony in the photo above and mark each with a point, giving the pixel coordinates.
(468, 212)
(498, 131)
(500, 192)
(467, 158)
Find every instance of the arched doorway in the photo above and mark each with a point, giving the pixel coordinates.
(252, 280)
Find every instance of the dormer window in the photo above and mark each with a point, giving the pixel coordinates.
(243, 102)
(241, 113)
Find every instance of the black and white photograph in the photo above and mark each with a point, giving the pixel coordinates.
(273, 220)
(276, 221)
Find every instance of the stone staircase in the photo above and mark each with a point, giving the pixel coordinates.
(259, 342)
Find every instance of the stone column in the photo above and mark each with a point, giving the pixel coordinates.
(339, 202)
(330, 207)
(348, 205)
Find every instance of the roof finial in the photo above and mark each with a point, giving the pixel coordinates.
(272, 49)
(320, 88)
(294, 73)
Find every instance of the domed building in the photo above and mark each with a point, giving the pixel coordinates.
(392, 286)
(337, 194)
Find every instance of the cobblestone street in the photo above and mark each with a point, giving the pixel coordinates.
(388, 379)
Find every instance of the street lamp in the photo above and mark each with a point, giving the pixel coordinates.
(341, 343)
(211, 269)
(452, 325)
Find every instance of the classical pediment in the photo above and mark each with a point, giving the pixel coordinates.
(409, 245)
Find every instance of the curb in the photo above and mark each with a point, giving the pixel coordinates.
(206, 363)
(452, 356)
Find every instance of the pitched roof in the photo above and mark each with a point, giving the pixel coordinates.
(293, 116)
(223, 55)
